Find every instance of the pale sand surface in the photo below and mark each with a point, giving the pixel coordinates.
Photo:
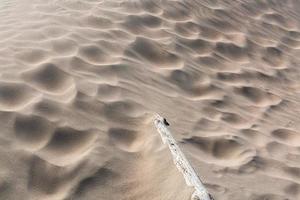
(80, 82)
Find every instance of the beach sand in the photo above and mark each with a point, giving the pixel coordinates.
(81, 80)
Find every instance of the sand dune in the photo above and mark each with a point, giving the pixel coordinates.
(81, 80)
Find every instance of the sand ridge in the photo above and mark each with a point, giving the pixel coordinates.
(81, 80)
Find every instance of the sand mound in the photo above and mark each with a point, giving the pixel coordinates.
(81, 80)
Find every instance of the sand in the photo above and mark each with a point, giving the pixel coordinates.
(81, 80)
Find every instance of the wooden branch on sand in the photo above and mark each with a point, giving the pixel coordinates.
(180, 161)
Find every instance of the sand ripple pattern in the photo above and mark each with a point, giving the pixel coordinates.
(80, 81)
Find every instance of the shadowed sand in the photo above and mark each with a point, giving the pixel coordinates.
(81, 80)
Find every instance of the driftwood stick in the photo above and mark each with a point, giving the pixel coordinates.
(180, 161)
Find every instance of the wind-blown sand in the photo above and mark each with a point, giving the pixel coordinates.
(80, 83)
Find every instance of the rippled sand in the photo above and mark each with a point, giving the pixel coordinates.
(81, 80)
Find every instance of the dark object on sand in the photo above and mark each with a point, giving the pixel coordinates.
(166, 122)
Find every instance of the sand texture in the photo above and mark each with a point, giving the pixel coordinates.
(81, 80)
